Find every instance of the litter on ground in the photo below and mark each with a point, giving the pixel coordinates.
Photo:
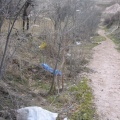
(51, 70)
(35, 113)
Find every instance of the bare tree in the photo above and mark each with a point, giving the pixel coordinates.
(10, 28)
(71, 17)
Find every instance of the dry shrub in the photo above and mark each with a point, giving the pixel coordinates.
(112, 19)
(78, 59)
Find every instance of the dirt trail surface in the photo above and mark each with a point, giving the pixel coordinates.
(106, 79)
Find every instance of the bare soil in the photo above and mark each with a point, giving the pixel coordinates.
(105, 79)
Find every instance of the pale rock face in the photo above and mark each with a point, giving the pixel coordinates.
(35, 113)
(112, 9)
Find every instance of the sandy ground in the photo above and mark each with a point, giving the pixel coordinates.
(106, 79)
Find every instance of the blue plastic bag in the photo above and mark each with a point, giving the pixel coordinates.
(51, 70)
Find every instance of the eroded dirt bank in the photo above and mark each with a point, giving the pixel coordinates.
(106, 79)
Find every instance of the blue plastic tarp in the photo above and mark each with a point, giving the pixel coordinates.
(51, 70)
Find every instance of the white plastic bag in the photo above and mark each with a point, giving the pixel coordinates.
(35, 113)
(65, 119)
(78, 43)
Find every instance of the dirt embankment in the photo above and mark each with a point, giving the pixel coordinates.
(106, 79)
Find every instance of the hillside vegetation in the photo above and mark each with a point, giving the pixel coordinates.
(60, 34)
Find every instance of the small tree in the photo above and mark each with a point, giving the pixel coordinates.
(10, 28)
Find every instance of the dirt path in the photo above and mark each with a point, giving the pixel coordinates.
(106, 79)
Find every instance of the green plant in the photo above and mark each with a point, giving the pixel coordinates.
(83, 94)
(116, 40)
